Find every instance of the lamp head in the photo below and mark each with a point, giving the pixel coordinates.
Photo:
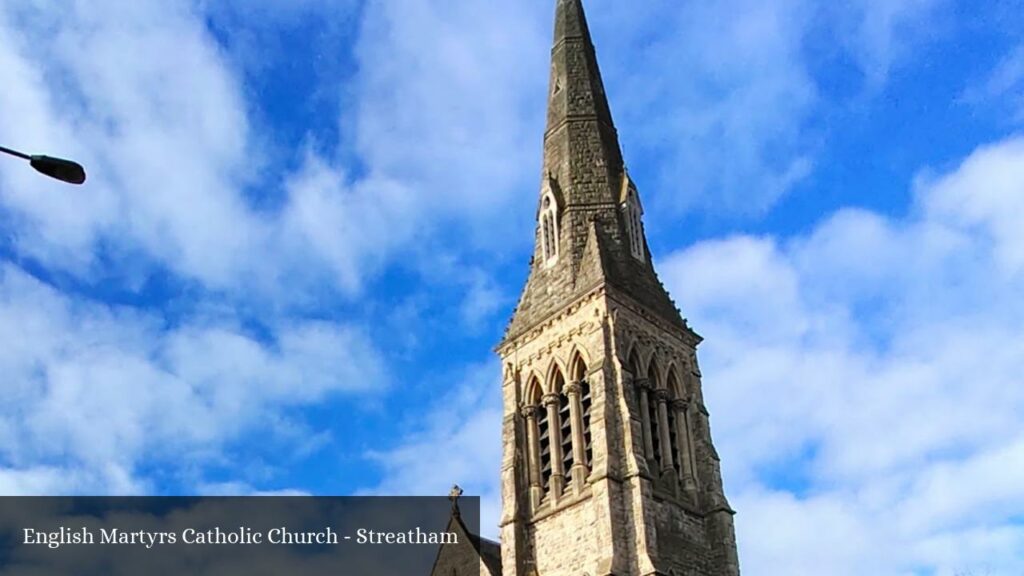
(64, 170)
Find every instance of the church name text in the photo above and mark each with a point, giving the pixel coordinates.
(241, 536)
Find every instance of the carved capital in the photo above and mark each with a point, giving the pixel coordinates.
(643, 383)
(680, 405)
(572, 389)
(529, 411)
(662, 395)
(551, 399)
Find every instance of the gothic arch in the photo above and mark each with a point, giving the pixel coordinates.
(674, 384)
(578, 364)
(654, 373)
(652, 365)
(534, 390)
(555, 369)
(629, 346)
(579, 353)
(635, 360)
(556, 380)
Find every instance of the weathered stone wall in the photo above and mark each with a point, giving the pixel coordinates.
(681, 543)
(688, 531)
(567, 533)
(627, 518)
(637, 509)
(566, 542)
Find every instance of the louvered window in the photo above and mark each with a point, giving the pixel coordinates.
(634, 226)
(587, 401)
(677, 460)
(545, 448)
(652, 413)
(566, 427)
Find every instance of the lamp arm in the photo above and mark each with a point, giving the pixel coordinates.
(15, 153)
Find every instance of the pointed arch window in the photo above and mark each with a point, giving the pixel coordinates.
(652, 407)
(549, 229)
(532, 414)
(579, 374)
(633, 213)
(587, 402)
(678, 427)
(652, 416)
(677, 461)
(564, 423)
(544, 427)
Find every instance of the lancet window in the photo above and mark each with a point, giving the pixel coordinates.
(549, 229)
(634, 224)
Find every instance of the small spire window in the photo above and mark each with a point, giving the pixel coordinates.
(549, 230)
(634, 225)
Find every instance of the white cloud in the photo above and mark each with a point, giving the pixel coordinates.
(733, 109)
(243, 489)
(451, 101)
(876, 362)
(881, 34)
(344, 228)
(91, 391)
(441, 135)
(722, 99)
(116, 86)
(985, 196)
(1003, 84)
(146, 98)
(457, 442)
(149, 101)
(915, 339)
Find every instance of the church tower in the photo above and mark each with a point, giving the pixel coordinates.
(608, 464)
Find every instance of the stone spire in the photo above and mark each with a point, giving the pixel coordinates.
(581, 147)
(585, 180)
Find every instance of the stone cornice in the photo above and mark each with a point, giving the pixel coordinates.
(684, 333)
(512, 341)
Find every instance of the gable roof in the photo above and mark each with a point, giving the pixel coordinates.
(472, 554)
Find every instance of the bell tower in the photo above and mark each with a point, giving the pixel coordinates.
(608, 465)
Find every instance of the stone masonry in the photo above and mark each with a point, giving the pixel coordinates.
(608, 464)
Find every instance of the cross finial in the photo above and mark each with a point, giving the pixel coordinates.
(454, 495)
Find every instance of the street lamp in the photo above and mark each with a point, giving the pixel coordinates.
(64, 170)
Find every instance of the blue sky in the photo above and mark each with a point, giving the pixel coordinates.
(307, 223)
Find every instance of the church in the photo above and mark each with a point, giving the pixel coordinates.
(608, 465)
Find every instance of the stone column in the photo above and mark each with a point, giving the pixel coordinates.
(579, 455)
(666, 440)
(533, 455)
(644, 386)
(557, 483)
(683, 440)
